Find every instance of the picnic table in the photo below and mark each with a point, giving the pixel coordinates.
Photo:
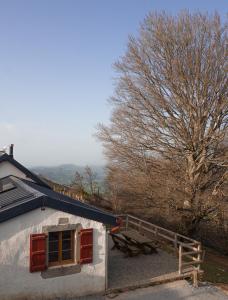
(124, 245)
(147, 245)
(132, 243)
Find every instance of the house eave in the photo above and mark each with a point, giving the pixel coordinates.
(42, 202)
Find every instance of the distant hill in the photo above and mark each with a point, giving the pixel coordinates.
(64, 174)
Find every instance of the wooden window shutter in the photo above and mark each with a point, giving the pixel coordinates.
(86, 246)
(37, 252)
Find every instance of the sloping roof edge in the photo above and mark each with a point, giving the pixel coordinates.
(63, 206)
(6, 157)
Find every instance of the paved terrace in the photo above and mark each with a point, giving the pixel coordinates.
(123, 271)
(127, 270)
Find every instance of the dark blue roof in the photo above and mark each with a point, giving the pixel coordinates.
(27, 196)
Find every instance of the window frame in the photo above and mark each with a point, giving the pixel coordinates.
(60, 261)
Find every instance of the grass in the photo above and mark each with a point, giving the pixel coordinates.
(215, 267)
(214, 273)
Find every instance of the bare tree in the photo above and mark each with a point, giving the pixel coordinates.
(170, 114)
(78, 182)
(90, 178)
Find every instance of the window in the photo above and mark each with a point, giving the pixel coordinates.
(61, 247)
(6, 186)
(58, 248)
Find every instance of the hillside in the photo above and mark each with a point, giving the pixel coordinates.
(64, 174)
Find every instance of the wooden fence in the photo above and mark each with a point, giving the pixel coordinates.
(189, 251)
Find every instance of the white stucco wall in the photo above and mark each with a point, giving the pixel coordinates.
(6, 169)
(16, 282)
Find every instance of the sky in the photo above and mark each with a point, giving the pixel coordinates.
(56, 72)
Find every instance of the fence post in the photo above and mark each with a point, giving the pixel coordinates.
(195, 278)
(175, 242)
(198, 256)
(180, 259)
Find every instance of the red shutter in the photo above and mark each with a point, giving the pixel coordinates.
(86, 246)
(37, 252)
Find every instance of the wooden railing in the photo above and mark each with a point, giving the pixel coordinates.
(189, 251)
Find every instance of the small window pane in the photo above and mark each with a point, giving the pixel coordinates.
(53, 246)
(53, 236)
(53, 257)
(66, 234)
(66, 244)
(67, 255)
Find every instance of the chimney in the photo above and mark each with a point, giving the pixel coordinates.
(11, 150)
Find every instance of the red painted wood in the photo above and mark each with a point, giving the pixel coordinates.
(37, 252)
(86, 246)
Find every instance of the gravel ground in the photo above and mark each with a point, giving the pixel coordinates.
(124, 270)
(179, 290)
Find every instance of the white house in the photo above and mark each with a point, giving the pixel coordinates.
(51, 246)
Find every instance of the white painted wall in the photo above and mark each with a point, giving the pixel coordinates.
(6, 169)
(16, 282)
